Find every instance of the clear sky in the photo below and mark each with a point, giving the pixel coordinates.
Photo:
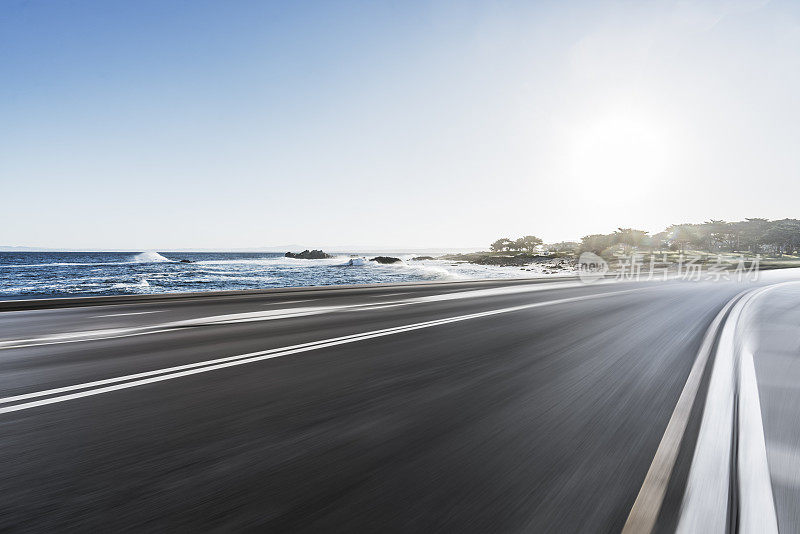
(173, 124)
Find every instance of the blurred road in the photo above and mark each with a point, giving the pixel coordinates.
(774, 339)
(466, 407)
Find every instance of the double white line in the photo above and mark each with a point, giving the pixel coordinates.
(87, 389)
(731, 451)
(267, 315)
(731, 421)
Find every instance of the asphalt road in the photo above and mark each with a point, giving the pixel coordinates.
(504, 406)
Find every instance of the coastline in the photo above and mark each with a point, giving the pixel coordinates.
(35, 275)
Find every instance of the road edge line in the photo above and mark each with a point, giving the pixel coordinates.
(756, 501)
(647, 506)
(730, 442)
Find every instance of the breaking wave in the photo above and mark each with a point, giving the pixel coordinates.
(150, 256)
(57, 274)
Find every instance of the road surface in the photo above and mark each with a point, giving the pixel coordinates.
(500, 406)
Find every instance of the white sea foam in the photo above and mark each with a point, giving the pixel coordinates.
(150, 272)
(424, 269)
(280, 261)
(57, 264)
(142, 284)
(446, 270)
(150, 256)
(427, 270)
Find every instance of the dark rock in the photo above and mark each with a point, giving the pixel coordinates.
(308, 255)
(186, 261)
(507, 260)
(419, 258)
(385, 259)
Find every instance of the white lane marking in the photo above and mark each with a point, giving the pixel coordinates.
(66, 337)
(497, 291)
(707, 494)
(123, 314)
(645, 510)
(756, 504)
(262, 315)
(267, 315)
(170, 373)
(706, 497)
(114, 333)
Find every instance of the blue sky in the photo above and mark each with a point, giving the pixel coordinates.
(232, 124)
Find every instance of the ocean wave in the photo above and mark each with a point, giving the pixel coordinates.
(140, 285)
(63, 264)
(279, 261)
(437, 272)
(151, 272)
(450, 270)
(143, 257)
(149, 256)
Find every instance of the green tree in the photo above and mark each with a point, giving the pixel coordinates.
(629, 237)
(720, 235)
(501, 245)
(783, 235)
(680, 235)
(597, 243)
(751, 233)
(528, 243)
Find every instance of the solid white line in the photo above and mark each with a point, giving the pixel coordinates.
(122, 314)
(85, 385)
(707, 494)
(705, 500)
(267, 315)
(84, 336)
(116, 333)
(756, 504)
(149, 377)
(647, 506)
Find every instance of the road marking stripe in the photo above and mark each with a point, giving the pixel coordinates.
(266, 315)
(140, 379)
(756, 503)
(706, 497)
(647, 506)
(123, 314)
(353, 337)
(706, 500)
(116, 333)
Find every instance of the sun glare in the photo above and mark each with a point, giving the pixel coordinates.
(619, 158)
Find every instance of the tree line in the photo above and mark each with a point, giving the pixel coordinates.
(526, 243)
(750, 235)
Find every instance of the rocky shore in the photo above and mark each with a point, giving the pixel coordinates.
(385, 259)
(547, 263)
(308, 255)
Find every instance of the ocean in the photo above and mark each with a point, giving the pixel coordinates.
(62, 274)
